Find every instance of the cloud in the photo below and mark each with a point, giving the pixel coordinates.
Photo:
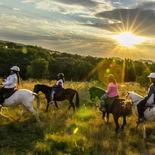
(139, 20)
(147, 5)
(86, 3)
(71, 6)
(16, 9)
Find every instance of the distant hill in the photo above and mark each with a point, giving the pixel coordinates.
(40, 63)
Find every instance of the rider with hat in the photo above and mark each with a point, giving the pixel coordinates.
(141, 104)
(58, 85)
(9, 83)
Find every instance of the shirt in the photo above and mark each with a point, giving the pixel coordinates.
(112, 90)
(59, 83)
(151, 91)
(10, 81)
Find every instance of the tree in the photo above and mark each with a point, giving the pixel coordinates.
(38, 68)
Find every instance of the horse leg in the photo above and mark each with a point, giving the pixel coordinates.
(144, 131)
(23, 113)
(71, 105)
(103, 115)
(124, 122)
(31, 109)
(107, 117)
(46, 110)
(55, 102)
(116, 122)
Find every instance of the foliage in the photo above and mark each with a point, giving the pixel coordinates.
(39, 63)
(38, 68)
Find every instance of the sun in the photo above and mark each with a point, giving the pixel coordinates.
(128, 39)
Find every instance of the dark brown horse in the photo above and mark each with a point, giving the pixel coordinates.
(118, 108)
(61, 95)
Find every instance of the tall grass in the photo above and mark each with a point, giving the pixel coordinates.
(63, 132)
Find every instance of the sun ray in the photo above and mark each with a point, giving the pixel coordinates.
(127, 39)
(131, 28)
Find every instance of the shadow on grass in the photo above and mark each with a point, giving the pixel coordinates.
(19, 136)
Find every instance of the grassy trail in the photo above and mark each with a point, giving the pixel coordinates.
(62, 132)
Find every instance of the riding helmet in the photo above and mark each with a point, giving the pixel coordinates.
(15, 68)
(60, 75)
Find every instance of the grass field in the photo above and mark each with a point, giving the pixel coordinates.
(63, 132)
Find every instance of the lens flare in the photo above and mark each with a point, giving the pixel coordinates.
(128, 39)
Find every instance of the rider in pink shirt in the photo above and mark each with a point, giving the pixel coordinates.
(111, 93)
(112, 89)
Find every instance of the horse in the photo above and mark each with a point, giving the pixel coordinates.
(149, 113)
(96, 92)
(61, 95)
(25, 98)
(118, 108)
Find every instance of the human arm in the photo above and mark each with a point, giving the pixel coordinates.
(151, 91)
(109, 88)
(9, 81)
(59, 83)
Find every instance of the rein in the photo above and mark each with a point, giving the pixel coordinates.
(135, 101)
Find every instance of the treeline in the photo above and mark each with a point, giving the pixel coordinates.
(36, 62)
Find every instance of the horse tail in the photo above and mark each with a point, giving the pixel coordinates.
(38, 101)
(77, 99)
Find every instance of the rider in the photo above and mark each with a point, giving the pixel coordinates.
(141, 104)
(9, 83)
(111, 93)
(58, 85)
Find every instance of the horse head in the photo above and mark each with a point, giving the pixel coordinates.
(36, 88)
(134, 97)
(43, 88)
(92, 94)
(95, 92)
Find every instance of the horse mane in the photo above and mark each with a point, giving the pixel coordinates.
(96, 88)
(136, 94)
(42, 85)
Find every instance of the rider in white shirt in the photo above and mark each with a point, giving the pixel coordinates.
(9, 83)
(58, 86)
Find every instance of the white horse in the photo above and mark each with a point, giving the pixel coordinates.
(149, 113)
(25, 98)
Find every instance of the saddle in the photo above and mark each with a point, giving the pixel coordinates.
(10, 93)
(59, 94)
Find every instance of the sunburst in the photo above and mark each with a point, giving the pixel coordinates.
(128, 39)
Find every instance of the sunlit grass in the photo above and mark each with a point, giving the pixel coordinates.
(65, 132)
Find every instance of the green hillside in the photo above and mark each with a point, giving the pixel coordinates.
(39, 63)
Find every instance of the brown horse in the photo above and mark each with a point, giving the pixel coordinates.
(61, 95)
(119, 107)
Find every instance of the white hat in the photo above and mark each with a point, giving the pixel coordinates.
(152, 75)
(15, 68)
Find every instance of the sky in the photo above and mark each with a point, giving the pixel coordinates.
(84, 27)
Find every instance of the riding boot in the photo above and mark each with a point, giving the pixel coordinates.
(1, 100)
(52, 97)
(141, 109)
